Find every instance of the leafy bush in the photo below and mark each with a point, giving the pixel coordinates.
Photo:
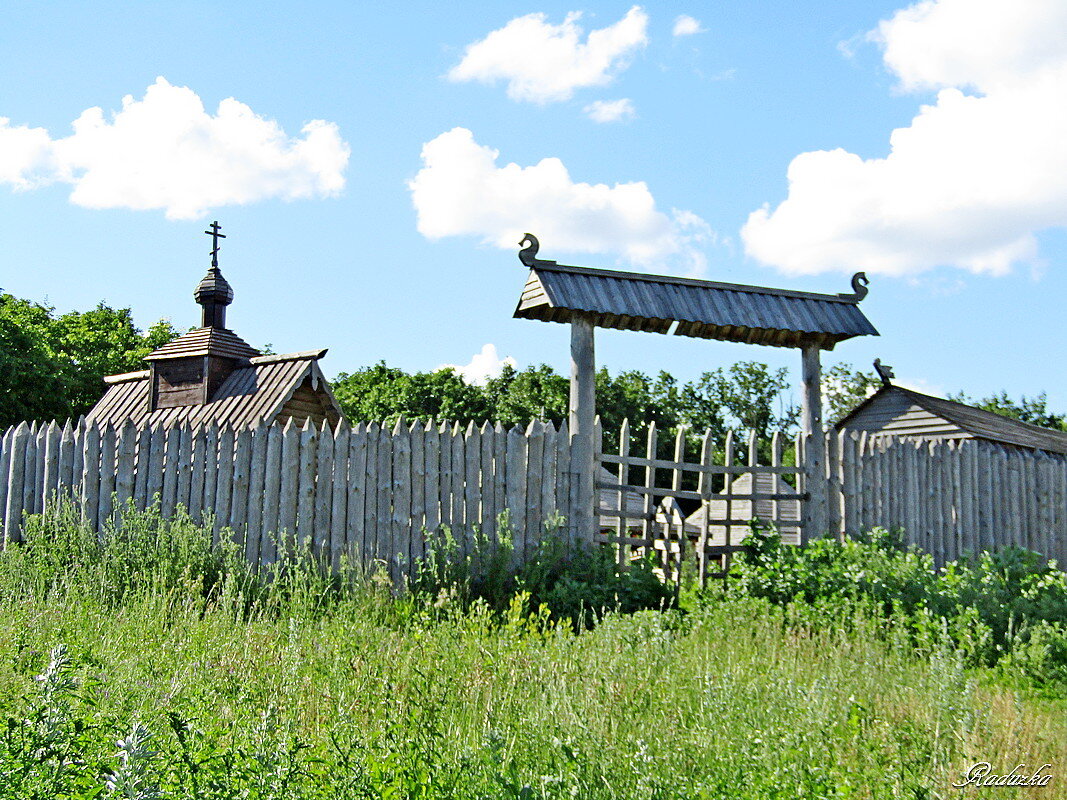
(1009, 592)
(874, 567)
(1040, 655)
(988, 606)
(581, 585)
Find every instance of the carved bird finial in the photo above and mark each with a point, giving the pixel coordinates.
(859, 285)
(528, 254)
(885, 372)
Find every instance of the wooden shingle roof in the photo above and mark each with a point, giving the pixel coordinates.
(688, 307)
(976, 422)
(205, 342)
(251, 395)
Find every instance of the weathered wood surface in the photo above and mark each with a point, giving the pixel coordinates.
(357, 493)
(270, 523)
(256, 491)
(381, 494)
(582, 413)
(338, 546)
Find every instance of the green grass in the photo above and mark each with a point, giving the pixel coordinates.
(305, 688)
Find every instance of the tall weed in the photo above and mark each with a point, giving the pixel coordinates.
(570, 582)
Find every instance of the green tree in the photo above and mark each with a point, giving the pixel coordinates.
(103, 341)
(1028, 409)
(844, 388)
(31, 374)
(53, 367)
(746, 396)
(383, 393)
(515, 397)
(635, 396)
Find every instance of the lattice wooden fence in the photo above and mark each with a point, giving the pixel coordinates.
(645, 503)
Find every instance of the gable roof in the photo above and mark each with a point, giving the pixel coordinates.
(703, 309)
(251, 395)
(978, 422)
(205, 342)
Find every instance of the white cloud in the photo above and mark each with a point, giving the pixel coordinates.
(980, 44)
(974, 176)
(920, 385)
(685, 25)
(543, 63)
(610, 110)
(166, 152)
(484, 365)
(460, 190)
(24, 153)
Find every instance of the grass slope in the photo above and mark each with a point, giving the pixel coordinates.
(307, 691)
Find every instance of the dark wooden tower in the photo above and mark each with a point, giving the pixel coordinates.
(189, 370)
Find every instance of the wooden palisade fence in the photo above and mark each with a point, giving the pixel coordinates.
(374, 494)
(949, 497)
(366, 492)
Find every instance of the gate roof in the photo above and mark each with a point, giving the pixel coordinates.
(688, 307)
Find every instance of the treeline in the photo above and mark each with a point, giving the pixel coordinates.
(744, 396)
(52, 367)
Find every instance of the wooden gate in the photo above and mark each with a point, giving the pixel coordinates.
(700, 509)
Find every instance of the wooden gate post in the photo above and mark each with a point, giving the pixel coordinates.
(581, 418)
(815, 523)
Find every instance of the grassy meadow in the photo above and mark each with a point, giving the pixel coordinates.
(152, 665)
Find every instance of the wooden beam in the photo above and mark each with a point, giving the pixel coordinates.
(815, 484)
(581, 418)
(811, 374)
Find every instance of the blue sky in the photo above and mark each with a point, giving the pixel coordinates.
(359, 164)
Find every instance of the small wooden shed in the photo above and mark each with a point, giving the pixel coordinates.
(896, 411)
(211, 375)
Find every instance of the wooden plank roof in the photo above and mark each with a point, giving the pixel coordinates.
(205, 342)
(689, 307)
(978, 422)
(250, 395)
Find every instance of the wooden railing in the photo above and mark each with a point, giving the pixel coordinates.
(717, 496)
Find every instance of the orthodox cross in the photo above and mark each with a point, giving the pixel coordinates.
(215, 236)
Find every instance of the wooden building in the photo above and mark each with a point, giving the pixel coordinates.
(894, 410)
(633, 504)
(211, 375)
